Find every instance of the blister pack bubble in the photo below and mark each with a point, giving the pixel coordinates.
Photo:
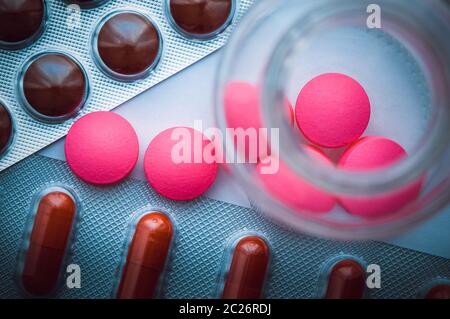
(70, 31)
(204, 229)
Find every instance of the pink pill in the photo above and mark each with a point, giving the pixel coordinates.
(332, 110)
(372, 153)
(243, 110)
(295, 192)
(102, 148)
(179, 163)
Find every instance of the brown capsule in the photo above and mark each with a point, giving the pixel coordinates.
(48, 242)
(6, 128)
(346, 280)
(200, 17)
(246, 275)
(21, 20)
(147, 255)
(54, 85)
(87, 4)
(128, 43)
(441, 291)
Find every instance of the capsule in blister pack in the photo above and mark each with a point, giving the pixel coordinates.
(47, 240)
(87, 4)
(68, 58)
(7, 129)
(342, 277)
(245, 267)
(146, 255)
(438, 288)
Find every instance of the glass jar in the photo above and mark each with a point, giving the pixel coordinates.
(399, 52)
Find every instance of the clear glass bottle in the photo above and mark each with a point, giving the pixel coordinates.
(399, 52)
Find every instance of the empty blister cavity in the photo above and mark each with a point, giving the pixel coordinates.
(342, 277)
(6, 129)
(53, 86)
(127, 45)
(146, 254)
(47, 239)
(21, 22)
(86, 4)
(201, 20)
(246, 265)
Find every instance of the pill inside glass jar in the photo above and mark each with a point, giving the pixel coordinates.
(53, 86)
(21, 22)
(6, 129)
(127, 45)
(369, 95)
(200, 19)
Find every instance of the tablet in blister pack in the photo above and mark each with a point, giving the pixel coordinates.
(63, 59)
(126, 241)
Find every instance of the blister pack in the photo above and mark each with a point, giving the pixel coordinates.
(126, 241)
(63, 59)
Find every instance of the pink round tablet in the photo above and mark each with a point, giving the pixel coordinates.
(102, 148)
(332, 110)
(371, 153)
(179, 163)
(295, 192)
(243, 110)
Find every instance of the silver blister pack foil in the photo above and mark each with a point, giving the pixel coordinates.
(204, 228)
(71, 35)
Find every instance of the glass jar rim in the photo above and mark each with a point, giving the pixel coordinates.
(400, 174)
